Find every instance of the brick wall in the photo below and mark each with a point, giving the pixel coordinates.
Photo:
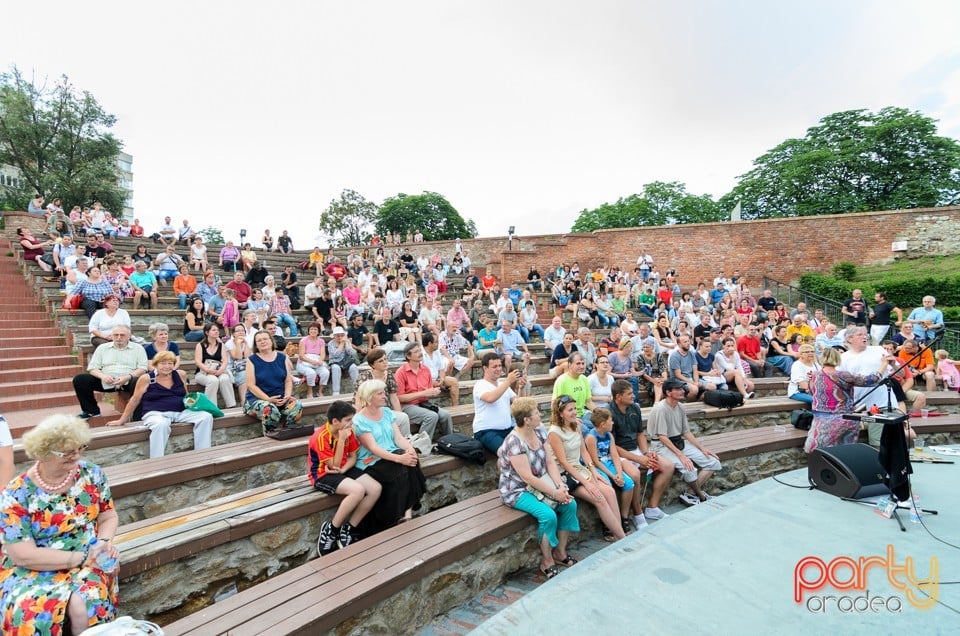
(778, 248)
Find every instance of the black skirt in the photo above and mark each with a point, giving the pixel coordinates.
(403, 487)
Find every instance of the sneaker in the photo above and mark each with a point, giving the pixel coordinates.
(654, 514)
(327, 542)
(348, 535)
(707, 496)
(640, 522)
(689, 498)
(87, 416)
(749, 395)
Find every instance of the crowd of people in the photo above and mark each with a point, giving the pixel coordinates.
(596, 448)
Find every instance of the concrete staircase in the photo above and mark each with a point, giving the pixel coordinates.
(36, 365)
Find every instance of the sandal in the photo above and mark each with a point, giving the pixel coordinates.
(550, 572)
(566, 561)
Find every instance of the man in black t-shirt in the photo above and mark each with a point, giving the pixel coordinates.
(635, 454)
(880, 317)
(284, 243)
(94, 250)
(385, 329)
(855, 309)
(767, 302)
(359, 335)
(407, 259)
(323, 309)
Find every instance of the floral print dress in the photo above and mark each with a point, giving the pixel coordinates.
(35, 602)
(832, 393)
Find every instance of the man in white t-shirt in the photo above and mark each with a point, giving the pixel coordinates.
(185, 234)
(861, 359)
(430, 318)
(168, 233)
(553, 335)
(492, 396)
(437, 360)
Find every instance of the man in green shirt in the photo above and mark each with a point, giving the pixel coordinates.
(573, 382)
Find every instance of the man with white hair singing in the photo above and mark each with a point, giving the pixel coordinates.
(861, 359)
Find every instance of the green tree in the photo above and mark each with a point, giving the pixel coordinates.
(347, 220)
(211, 235)
(59, 140)
(430, 213)
(853, 161)
(661, 203)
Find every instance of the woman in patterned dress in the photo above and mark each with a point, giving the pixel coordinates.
(530, 481)
(832, 392)
(51, 513)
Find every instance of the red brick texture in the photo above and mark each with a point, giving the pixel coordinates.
(781, 249)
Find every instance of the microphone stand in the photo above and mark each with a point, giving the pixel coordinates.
(887, 382)
(890, 375)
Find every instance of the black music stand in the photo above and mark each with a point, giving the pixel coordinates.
(894, 456)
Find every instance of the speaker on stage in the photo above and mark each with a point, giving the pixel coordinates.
(850, 470)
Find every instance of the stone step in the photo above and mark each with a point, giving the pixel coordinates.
(25, 323)
(36, 345)
(46, 400)
(33, 388)
(7, 350)
(39, 374)
(33, 360)
(14, 331)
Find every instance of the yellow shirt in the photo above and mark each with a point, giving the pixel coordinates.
(804, 330)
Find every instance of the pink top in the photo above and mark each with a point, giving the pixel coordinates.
(313, 347)
(352, 295)
(950, 374)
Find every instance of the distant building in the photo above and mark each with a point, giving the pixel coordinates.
(10, 177)
(125, 181)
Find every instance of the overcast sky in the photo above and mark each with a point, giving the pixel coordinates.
(255, 115)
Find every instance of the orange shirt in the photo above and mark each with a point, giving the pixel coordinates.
(925, 360)
(184, 284)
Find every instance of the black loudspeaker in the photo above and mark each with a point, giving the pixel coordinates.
(851, 470)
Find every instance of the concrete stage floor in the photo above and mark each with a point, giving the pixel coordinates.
(728, 566)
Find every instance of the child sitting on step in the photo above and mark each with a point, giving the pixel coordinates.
(331, 466)
(947, 370)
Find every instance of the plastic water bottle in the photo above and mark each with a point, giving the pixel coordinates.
(102, 558)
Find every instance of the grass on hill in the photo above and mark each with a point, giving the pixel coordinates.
(910, 268)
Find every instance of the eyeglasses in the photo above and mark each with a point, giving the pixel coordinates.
(564, 400)
(62, 454)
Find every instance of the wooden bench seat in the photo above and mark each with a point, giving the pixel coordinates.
(174, 535)
(171, 480)
(316, 597)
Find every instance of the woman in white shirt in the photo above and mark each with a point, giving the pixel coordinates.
(530, 319)
(729, 362)
(394, 297)
(601, 382)
(798, 388)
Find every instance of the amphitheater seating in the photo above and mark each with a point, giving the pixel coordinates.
(325, 592)
(320, 595)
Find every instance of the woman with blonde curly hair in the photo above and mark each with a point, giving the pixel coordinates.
(52, 514)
